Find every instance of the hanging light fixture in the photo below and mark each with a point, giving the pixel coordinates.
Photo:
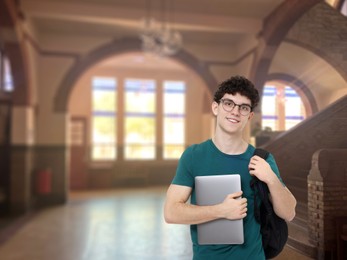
(160, 38)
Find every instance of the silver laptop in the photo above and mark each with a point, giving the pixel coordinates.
(211, 190)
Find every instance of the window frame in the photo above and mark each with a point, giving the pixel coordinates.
(120, 77)
(107, 114)
(280, 115)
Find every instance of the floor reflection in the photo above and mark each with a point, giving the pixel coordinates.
(122, 224)
(104, 225)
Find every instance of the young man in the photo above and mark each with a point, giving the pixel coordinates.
(226, 153)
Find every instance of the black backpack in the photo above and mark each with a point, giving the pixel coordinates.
(274, 230)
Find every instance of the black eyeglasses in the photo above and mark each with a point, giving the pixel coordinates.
(228, 105)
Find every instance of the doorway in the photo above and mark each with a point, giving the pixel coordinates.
(78, 159)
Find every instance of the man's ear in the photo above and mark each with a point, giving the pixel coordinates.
(215, 108)
(250, 115)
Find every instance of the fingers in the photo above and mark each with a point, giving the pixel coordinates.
(254, 162)
(236, 195)
(235, 206)
(242, 210)
(242, 202)
(256, 159)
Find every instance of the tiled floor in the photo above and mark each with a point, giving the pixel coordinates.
(118, 224)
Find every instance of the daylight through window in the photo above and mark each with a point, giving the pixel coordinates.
(282, 107)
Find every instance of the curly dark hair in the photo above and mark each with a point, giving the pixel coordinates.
(238, 84)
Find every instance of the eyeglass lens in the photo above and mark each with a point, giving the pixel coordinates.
(229, 105)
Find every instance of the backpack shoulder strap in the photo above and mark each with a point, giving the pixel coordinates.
(260, 187)
(261, 153)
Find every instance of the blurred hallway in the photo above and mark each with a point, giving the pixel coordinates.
(102, 225)
(94, 95)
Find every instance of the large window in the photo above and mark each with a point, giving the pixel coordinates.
(174, 119)
(282, 107)
(6, 80)
(104, 101)
(146, 112)
(140, 119)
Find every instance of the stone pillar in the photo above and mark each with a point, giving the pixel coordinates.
(327, 198)
(52, 152)
(21, 159)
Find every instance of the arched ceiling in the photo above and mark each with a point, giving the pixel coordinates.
(307, 67)
(199, 21)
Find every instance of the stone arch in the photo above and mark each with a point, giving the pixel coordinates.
(332, 62)
(276, 26)
(120, 47)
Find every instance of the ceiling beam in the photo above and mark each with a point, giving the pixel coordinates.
(80, 11)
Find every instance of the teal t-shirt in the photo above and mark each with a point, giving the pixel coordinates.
(207, 159)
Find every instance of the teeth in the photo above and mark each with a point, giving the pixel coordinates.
(232, 120)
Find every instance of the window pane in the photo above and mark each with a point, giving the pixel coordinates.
(104, 129)
(139, 130)
(8, 86)
(282, 107)
(174, 119)
(103, 152)
(269, 108)
(174, 97)
(140, 123)
(137, 151)
(173, 151)
(293, 108)
(140, 96)
(104, 94)
(104, 118)
(104, 137)
(7, 80)
(174, 130)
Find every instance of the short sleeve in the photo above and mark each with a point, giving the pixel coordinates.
(184, 172)
(274, 167)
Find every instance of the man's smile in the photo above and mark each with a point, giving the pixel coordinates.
(232, 120)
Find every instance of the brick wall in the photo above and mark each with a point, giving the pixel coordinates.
(327, 198)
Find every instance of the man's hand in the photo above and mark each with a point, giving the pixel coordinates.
(178, 211)
(234, 207)
(282, 199)
(259, 168)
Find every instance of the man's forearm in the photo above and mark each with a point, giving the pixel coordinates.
(184, 213)
(283, 200)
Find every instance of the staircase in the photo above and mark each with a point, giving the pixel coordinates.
(293, 152)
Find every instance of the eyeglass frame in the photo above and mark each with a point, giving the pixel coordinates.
(222, 100)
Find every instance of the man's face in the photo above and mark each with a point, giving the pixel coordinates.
(232, 112)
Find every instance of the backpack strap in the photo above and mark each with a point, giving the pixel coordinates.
(261, 187)
(261, 153)
(273, 229)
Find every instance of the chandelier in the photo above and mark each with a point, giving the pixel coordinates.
(159, 38)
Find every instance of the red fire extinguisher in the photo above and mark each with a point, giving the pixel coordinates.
(44, 181)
